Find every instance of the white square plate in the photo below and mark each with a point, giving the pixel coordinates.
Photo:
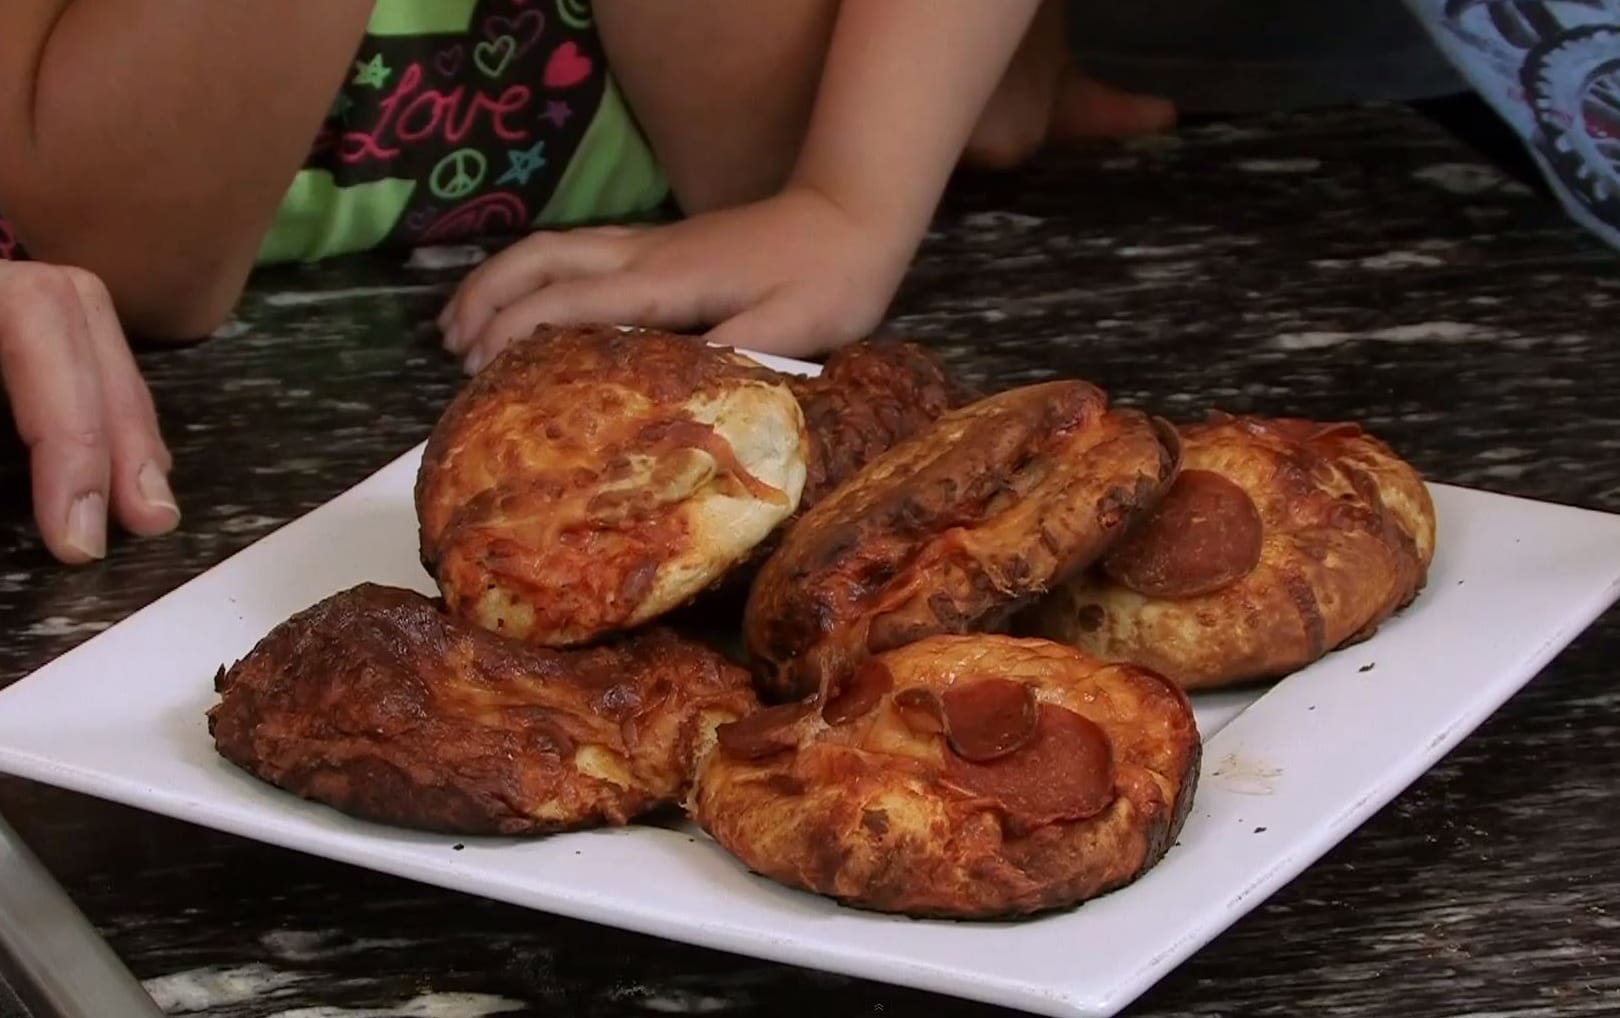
(1288, 771)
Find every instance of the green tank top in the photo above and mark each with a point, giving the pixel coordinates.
(461, 118)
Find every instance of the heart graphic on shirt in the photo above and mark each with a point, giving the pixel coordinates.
(493, 58)
(526, 28)
(448, 62)
(567, 67)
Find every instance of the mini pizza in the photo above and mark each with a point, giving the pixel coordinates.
(1280, 540)
(952, 530)
(967, 777)
(378, 704)
(589, 480)
(869, 397)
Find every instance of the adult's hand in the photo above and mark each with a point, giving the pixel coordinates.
(84, 411)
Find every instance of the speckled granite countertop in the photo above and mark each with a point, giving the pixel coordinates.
(1357, 264)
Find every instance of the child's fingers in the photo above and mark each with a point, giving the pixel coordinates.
(529, 265)
(50, 373)
(622, 298)
(780, 324)
(140, 462)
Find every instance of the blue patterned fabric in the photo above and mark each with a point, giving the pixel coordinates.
(1551, 69)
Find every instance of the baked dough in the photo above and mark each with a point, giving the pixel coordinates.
(952, 530)
(959, 776)
(1281, 540)
(375, 702)
(589, 480)
(869, 397)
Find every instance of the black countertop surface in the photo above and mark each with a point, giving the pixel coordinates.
(1357, 264)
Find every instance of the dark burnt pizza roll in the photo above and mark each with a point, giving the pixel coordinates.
(589, 480)
(1281, 540)
(378, 704)
(952, 530)
(869, 397)
(968, 777)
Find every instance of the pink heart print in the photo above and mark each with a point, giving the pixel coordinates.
(448, 62)
(526, 28)
(567, 67)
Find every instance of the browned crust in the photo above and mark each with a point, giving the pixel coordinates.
(376, 703)
(869, 397)
(513, 474)
(1349, 532)
(867, 811)
(953, 529)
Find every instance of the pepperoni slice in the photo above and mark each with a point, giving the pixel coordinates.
(1064, 773)
(989, 718)
(763, 733)
(1205, 534)
(920, 710)
(871, 681)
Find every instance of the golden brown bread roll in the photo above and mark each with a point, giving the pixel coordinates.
(1281, 540)
(959, 776)
(869, 396)
(376, 703)
(589, 480)
(952, 529)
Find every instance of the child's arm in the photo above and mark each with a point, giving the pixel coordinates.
(151, 143)
(814, 266)
(905, 82)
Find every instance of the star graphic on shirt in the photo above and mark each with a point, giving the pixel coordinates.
(523, 164)
(557, 112)
(373, 73)
(342, 106)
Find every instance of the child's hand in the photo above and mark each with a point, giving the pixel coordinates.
(83, 409)
(793, 274)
